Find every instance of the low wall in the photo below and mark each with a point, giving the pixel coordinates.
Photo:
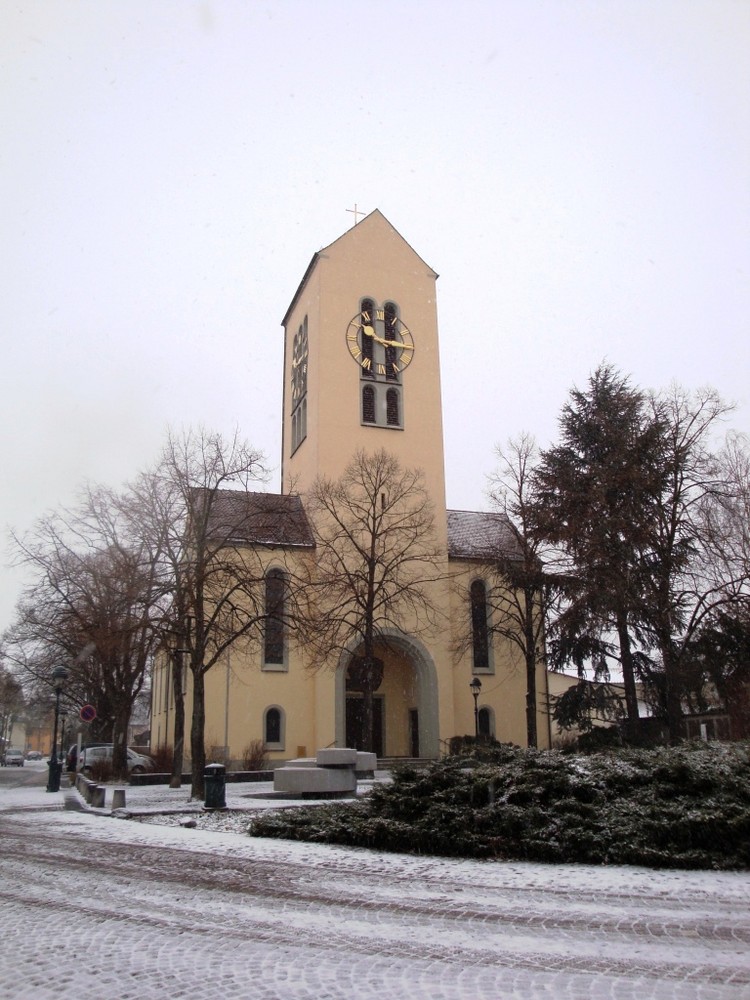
(139, 780)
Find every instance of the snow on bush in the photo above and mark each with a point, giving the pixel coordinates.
(671, 807)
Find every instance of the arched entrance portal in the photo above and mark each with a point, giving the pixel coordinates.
(405, 709)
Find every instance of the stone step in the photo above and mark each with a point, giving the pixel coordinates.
(388, 763)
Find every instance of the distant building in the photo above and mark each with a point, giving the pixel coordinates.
(558, 683)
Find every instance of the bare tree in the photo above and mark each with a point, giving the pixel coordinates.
(710, 655)
(194, 501)
(523, 590)
(92, 602)
(12, 703)
(158, 510)
(375, 561)
(726, 519)
(683, 572)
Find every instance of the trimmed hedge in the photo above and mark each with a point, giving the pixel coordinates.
(670, 807)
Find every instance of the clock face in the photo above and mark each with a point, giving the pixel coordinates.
(299, 365)
(380, 342)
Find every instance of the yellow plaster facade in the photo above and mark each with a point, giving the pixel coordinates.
(352, 382)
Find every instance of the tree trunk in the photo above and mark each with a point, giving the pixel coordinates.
(120, 741)
(368, 688)
(367, 718)
(628, 675)
(530, 653)
(368, 698)
(531, 727)
(178, 743)
(673, 694)
(197, 728)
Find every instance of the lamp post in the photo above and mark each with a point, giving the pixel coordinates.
(476, 687)
(63, 720)
(59, 676)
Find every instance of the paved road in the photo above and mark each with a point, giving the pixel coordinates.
(104, 909)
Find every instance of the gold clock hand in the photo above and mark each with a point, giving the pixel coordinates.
(369, 332)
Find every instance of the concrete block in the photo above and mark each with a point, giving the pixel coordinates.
(118, 799)
(97, 797)
(301, 762)
(366, 763)
(337, 757)
(314, 780)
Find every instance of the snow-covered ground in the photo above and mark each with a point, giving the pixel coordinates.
(101, 908)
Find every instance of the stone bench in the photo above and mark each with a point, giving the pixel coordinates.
(332, 772)
(315, 781)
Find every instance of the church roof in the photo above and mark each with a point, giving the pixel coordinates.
(260, 519)
(279, 519)
(480, 535)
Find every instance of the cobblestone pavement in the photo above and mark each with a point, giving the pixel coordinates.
(103, 909)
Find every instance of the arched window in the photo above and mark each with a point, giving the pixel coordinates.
(486, 719)
(479, 630)
(273, 728)
(368, 405)
(393, 417)
(273, 646)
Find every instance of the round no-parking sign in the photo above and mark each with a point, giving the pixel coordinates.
(88, 713)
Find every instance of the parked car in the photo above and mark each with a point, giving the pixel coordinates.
(71, 757)
(137, 763)
(33, 755)
(13, 757)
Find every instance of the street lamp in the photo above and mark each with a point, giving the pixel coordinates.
(476, 687)
(59, 676)
(63, 720)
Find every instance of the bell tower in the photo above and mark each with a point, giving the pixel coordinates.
(361, 361)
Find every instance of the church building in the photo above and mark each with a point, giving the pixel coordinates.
(362, 374)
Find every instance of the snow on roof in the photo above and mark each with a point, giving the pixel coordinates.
(481, 535)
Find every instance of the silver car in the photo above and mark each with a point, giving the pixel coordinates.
(137, 763)
(13, 757)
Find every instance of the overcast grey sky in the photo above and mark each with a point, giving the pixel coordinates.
(575, 170)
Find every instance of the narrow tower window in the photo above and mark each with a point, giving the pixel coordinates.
(391, 334)
(393, 416)
(368, 345)
(368, 405)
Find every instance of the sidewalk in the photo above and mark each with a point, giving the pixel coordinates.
(164, 806)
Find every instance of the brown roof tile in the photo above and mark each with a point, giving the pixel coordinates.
(480, 535)
(260, 519)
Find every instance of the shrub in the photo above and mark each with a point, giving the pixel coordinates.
(598, 738)
(163, 758)
(217, 754)
(101, 770)
(254, 756)
(680, 807)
